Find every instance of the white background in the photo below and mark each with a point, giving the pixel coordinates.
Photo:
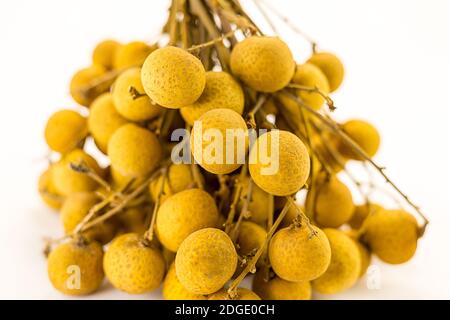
(397, 58)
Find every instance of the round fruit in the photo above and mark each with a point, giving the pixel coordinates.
(76, 267)
(174, 290)
(47, 190)
(134, 151)
(132, 54)
(251, 237)
(138, 109)
(104, 53)
(345, 264)
(182, 214)
(219, 141)
(242, 294)
(221, 91)
(311, 76)
(297, 255)
(133, 219)
(65, 130)
(80, 80)
(331, 66)
(173, 78)
(260, 203)
(391, 235)
(205, 261)
(361, 212)
(279, 289)
(263, 63)
(279, 163)
(132, 266)
(364, 134)
(104, 120)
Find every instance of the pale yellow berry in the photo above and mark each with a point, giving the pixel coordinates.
(331, 66)
(261, 203)
(104, 53)
(174, 290)
(276, 288)
(81, 80)
(361, 212)
(132, 54)
(250, 238)
(310, 76)
(47, 190)
(241, 294)
(364, 134)
(133, 219)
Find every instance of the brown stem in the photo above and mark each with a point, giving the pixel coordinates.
(212, 42)
(244, 211)
(236, 196)
(251, 115)
(135, 94)
(302, 215)
(149, 234)
(328, 100)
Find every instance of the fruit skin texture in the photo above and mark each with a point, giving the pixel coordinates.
(104, 53)
(174, 290)
(65, 130)
(132, 54)
(309, 75)
(81, 79)
(134, 151)
(68, 181)
(221, 91)
(279, 289)
(364, 134)
(205, 261)
(345, 264)
(47, 190)
(295, 256)
(87, 256)
(260, 203)
(104, 120)
(293, 163)
(139, 109)
(242, 294)
(182, 214)
(218, 120)
(250, 238)
(173, 78)
(391, 235)
(331, 66)
(263, 63)
(132, 266)
(360, 214)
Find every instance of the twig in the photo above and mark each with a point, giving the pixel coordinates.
(236, 197)
(244, 211)
(327, 98)
(251, 115)
(149, 234)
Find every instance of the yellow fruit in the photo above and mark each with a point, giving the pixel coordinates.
(80, 80)
(133, 219)
(65, 130)
(76, 268)
(242, 294)
(169, 256)
(104, 53)
(279, 289)
(119, 181)
(182, 214)
(309, 75)
(260, 203)
(250, 238)
(132, 266)
(47, 190)
(138, 109)
(391, 235)
(331, 66)
(361, 212)
(345, 264)
(288, 168)
(364, 134)
(296, 255)
(174, 290)
(132, 54)
(173, 78)
(263, 63)
(134, 151)
(205, 261)
(333, 202)
(365, 257)
(67, 181)
(221, 91)
(179, 178)
(104, 120)
(210, 146)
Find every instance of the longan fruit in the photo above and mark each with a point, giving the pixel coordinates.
(221, 91)
(134, 151)
(260, 203)
(133, 219)
(67, 181)
(183, 213)
(104, 53)
(331, 66)
(169, 256)
(391, 235)
(119, 181)
(174, 290)
(65, 130)
(309, 75)
(364, 134)
(205, 261)
(82, 79)
(333, 202)
(361, 212)
(264, 64)
(47, 190)
(76, 267)
(139, 109)
(364, 252)
(344, 268)
(250, 238)
(173, 78)
(132, 266)
(297, 255)
(104, 120)
(219, 121)
(279, 289)
(132, 54)
(242, 294)
(292, 158)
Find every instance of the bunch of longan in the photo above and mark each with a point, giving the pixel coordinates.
(198, 228)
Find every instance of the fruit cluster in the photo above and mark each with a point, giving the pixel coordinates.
(200, 228)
